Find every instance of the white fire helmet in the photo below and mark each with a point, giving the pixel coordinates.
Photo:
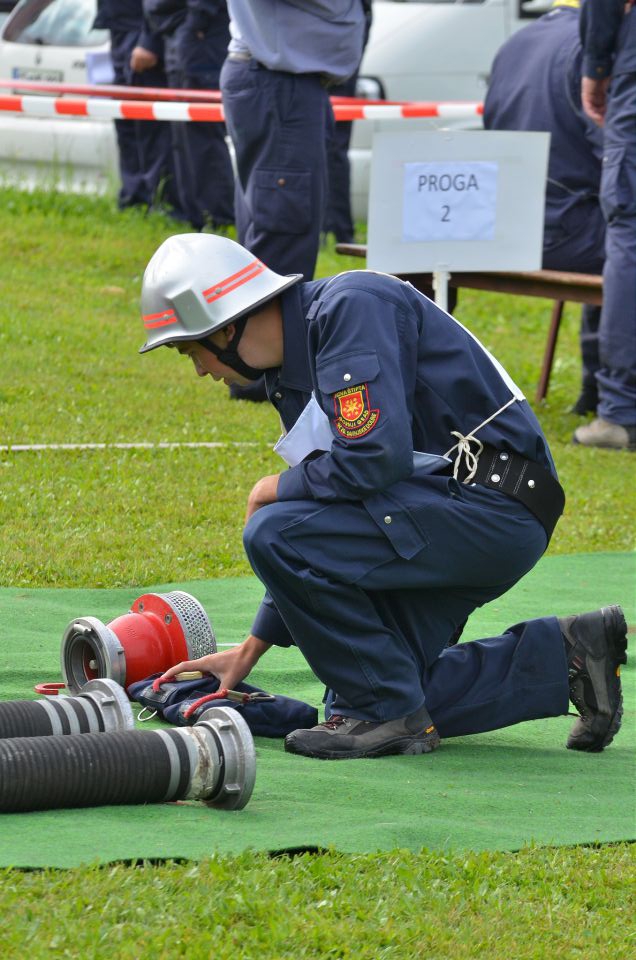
(197, 283)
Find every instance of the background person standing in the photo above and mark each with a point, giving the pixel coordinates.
(608, 93)
(535, 84)
(196, 34)
(338, 216)
(145, 148)
(283, 57)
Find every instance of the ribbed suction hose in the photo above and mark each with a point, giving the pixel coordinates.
(101, 707)
(212, 761)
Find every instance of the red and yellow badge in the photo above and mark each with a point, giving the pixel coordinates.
(354, 417)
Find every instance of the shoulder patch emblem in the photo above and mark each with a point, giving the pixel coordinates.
(354, 417)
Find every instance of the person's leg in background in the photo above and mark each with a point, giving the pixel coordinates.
(206, 162)
(577, 243)
(134, 189)
(184, 188)
(279, 123)
(338, 215)
(615, 424)
(590, 362)
(154, 146)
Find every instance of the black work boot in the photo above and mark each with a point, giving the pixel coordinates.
(342, 738)
(596, 645)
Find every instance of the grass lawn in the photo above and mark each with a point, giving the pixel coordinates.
(69, 335)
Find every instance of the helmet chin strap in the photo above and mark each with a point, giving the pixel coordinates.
(229, 355)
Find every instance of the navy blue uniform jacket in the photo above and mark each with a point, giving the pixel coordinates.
(417, 373)
(394, 374)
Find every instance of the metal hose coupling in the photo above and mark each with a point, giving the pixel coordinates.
(213, 761)
(101, 707)
(159, 630)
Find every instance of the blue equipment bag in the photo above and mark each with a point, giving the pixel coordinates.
(265, 714)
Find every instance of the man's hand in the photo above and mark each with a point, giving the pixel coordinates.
(230, 666)
(594, 98)
(263, 492)
(142, 60)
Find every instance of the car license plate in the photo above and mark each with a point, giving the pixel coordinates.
(37, 73)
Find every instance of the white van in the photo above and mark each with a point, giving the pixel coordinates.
(433, 50)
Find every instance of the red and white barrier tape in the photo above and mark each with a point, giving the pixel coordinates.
(37, 106)
(110, 109)
(111, 90)
(118, 92)
(445, 111)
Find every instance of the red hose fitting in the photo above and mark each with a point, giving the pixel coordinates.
(157, 632)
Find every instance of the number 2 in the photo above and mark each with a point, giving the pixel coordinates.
(445, 217)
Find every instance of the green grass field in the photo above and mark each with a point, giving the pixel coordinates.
(69, 334)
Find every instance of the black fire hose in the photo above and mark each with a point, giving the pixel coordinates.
(214, 761)
(101, 707)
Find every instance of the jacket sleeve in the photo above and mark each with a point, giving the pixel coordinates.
(591, 131)
(150, 40)
(201, 12)
(600, 22)
(364, 350)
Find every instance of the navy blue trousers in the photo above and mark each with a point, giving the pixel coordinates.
(374, 625)
(338, 217)
(278, 123)
(579, 245)
(201, 157)
(617, 335)
(144, 146)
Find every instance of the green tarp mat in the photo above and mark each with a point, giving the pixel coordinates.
(500, 790)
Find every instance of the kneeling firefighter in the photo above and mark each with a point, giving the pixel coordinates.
(419, 486)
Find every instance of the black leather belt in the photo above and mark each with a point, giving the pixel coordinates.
(242, 56)
(524, 480)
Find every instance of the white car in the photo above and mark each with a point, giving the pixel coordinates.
(54, 41)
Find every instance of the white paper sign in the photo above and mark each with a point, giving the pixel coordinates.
(500, 226)
(449, 200)
(99, 67)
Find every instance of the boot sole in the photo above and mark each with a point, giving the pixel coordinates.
(400, 746)
(616, 631)
(594, 746)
